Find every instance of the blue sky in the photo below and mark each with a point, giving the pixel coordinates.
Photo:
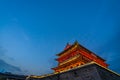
(32, 32)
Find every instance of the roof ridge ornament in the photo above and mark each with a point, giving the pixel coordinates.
(68, 45)
(76, 42)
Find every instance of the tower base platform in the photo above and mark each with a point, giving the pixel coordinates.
(90, 71)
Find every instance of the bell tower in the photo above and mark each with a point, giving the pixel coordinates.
(74, 56)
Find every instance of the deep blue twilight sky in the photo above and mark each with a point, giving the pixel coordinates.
(32, 32)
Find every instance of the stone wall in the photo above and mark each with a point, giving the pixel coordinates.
(106, 74)
(88, 72)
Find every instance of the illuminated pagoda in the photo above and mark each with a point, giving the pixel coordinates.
(74, 56)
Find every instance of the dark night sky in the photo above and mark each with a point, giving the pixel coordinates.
(32, 32)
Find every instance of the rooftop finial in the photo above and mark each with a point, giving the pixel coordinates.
(76, 42)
